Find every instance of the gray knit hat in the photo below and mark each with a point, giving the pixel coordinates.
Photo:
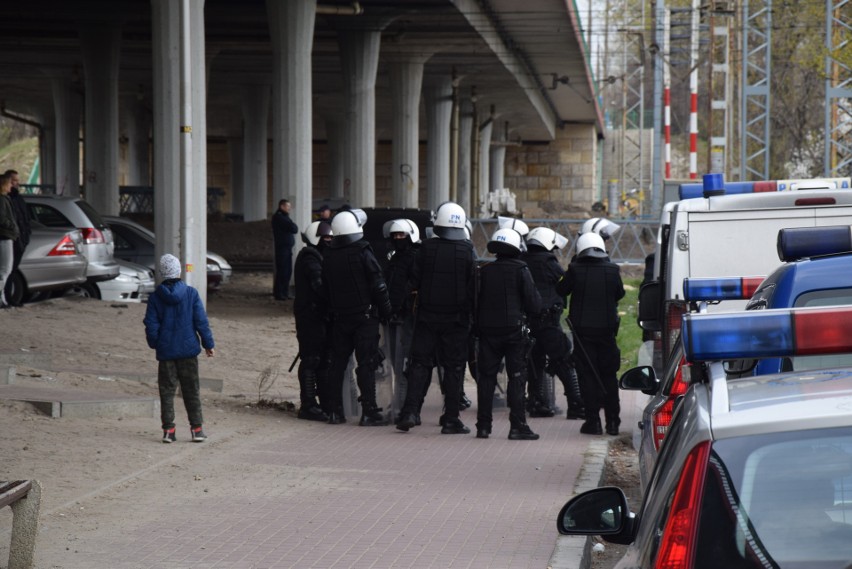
(169, 267)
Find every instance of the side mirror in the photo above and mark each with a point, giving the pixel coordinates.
(642, 378)
(602, 511)
(649, 307)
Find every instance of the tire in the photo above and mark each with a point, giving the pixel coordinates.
(16, 288)
(85, 290)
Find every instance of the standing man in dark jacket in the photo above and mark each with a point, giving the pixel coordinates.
(507, 295)
(283, 230)
(8, 234)
(176, 326)
(595, 286)
(310, 308)
(358, 299)
(443, 276)
(551, 343)
(22, 217)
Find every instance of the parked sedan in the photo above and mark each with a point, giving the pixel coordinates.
(755, 471)
(52, 261)
(133, 284)
(134, 242)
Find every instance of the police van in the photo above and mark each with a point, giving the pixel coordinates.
(727, 233)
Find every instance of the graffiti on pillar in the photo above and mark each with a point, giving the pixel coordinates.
(346, 183)
(405, 176)
(91, 176)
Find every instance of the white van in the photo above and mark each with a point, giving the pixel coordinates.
(722, 236)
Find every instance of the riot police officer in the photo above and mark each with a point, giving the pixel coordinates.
(595, 286)
(358, 298)
(507, 294)
(551, 343)
(404, 236)
(310, 312)
(443, 277)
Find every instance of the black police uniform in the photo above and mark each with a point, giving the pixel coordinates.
(283, 231)
(358, 297)
(443, 276)
(507, 294)
(312, 331)
(595, 286)
(552, 345)
(398, 274)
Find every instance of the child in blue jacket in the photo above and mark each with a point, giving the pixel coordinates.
(174, 321)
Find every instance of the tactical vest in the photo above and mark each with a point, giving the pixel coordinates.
(501, 302)
(538, 262)
(343, 271)
(445, 278)
(594, 301)
(308, 269)
(398, 275)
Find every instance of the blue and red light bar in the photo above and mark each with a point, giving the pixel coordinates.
(696, 190)
(720, 288)
(800, 242)
(767, 333)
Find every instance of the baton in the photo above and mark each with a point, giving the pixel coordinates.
(588, 359)
(292, 365)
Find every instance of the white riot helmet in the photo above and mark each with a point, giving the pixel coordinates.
(591, 245)
(600, 225)
(315, 232)
(505, 242)
(516, 224)
(401, 225)
(468, 230)
(449, 220)
(547, 238)
(348, 227)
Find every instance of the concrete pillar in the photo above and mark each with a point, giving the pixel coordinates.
(465, 129)
(292, 30)
(194, 223)
(255, 121)
(498, 164)
(439, 108)
(406, 80)
(67, 108)
(100, 44)
(235, 157)
(484, 162)
(334, 130)
(165, 43)
(47, 148)
(359, 52)
(135, 126)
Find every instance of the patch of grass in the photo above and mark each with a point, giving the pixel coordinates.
(629, 333)
(20, 155)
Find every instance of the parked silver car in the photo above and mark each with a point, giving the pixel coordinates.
(133, 284)
(53, 261)
(135, 243)
(67, 212)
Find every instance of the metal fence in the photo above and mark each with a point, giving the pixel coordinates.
(631, 244)
(133, 199)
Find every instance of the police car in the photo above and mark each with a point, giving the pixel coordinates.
(755, 471)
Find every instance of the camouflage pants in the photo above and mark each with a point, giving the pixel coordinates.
(172, 373)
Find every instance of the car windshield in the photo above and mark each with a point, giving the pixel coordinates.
(782, 500)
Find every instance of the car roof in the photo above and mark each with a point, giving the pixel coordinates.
(790, 401)
(762, 200)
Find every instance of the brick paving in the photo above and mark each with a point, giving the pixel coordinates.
(311, 495)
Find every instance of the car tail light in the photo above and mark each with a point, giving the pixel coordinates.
(663, 417)
(674, 311)
(92, 235)
(64, 247)
(677, 547)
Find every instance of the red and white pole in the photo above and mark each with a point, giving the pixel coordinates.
(667, 95)
(693, 92)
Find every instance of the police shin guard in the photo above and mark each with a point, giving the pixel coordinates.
(537, 403)
(309, 409)
(371, 414)
(568, 376)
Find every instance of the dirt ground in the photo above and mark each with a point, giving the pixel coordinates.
(89, 344)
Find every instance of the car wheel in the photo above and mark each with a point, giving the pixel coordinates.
(85, 290)
(15, 288)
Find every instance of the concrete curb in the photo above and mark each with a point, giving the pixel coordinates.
(574, 552)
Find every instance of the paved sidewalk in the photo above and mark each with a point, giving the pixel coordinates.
(303, 494)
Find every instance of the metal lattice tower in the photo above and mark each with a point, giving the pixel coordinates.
(754, 108)
(633, 164)
(838, 89)
(720, 85)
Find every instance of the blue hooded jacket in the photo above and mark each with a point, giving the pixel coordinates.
(174, 321)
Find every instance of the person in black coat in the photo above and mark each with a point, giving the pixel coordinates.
(507, 296)
(283, 231)
(22, 217)
(595, 286)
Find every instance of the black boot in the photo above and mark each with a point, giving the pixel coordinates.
(310, 412)
(575, 411)
(540, 409)
(371, 414)
(591, 427)
(566, 373)
(336, 416)
(522, 432)
(310, 409)
(453, 426)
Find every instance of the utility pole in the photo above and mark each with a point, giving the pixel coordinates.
(754, 104)
(838, 89)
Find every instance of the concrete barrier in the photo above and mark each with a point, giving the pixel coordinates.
(24, 497)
